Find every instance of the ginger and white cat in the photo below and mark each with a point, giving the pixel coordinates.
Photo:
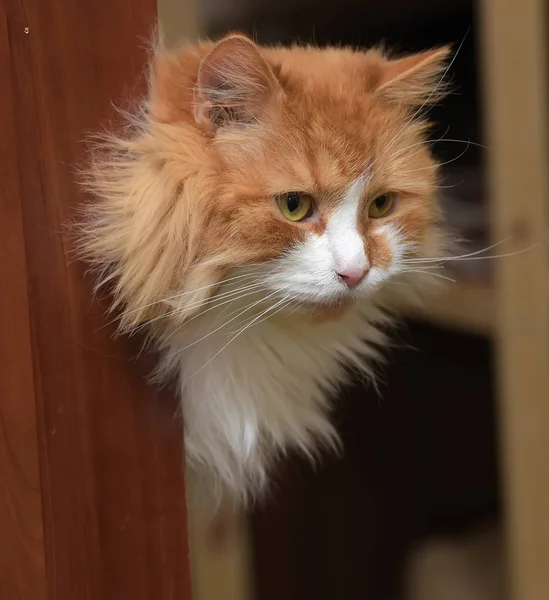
(257, 217)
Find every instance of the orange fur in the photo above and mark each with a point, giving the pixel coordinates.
(170, 192)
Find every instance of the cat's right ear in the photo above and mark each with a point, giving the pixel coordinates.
(234, 85)
(416, 79)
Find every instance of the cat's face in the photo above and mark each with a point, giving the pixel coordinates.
(330, 221)
(331, 207)
(325, 181)
(305, 169)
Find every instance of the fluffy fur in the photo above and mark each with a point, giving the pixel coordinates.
(250, 310)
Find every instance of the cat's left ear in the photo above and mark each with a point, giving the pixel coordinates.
(415, 79)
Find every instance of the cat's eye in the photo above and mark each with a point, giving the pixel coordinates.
(381, 206)
(295, 206)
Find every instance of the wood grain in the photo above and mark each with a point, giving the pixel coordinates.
(515, 38)
(109, 448)
(22, 567)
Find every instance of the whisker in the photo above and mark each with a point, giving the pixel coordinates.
(220, 296)
(492, 256)
(176, 296)
(288, 301)
(449, 258)
(213, 308)
(437, 165)
(433, 274)
(426, 267)
(223, 325)
(238, 334)
(287, 297)
(421, 143)
(192, 305)
(215, 300)
(429, 142)
(248, 265)
(449, 186)
(468, 142)
(298, 305)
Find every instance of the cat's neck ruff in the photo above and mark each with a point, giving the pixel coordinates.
(248, 386)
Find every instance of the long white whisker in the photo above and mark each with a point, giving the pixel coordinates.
(282, 307)
(449, 258)
(296, 308)
(421, 143)
(438, 140)
(431, 273)
(220, 296)
(427, 266)
(437, 165)
(176, 296)
(239, 333)
(199, 289)
(449, 186)
(493, 256)
(200, 303)
(287, 297)
(232, 297)
(214, 307)
(223, 325)
(468, 142)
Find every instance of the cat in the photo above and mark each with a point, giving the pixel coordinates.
(257, 218)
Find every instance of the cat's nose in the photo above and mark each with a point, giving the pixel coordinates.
(352, 277)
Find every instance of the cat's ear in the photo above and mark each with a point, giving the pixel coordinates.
(415, 79)
(234, 85)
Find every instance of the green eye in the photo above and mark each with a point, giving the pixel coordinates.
(295, 206)
(381, 206)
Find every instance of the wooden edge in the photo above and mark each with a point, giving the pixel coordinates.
(464, 306)
(514, 45)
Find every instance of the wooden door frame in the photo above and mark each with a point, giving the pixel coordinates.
(515, 50)
(91, 459)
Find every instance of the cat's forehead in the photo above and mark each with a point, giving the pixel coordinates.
(295, 160)
(315, 65)
(308, 152)
(322, 168)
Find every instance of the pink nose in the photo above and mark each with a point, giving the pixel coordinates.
(352, 277)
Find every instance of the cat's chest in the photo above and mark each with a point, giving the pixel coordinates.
(292, 354)
(249, 393)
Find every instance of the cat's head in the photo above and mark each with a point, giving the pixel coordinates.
(303, 171)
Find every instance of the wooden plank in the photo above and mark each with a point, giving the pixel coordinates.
(516, 104)
(221, 568)
(22, 564)
(111, 458)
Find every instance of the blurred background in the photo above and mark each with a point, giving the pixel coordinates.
(440, 494)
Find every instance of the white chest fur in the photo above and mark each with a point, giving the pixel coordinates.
(248, 395)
